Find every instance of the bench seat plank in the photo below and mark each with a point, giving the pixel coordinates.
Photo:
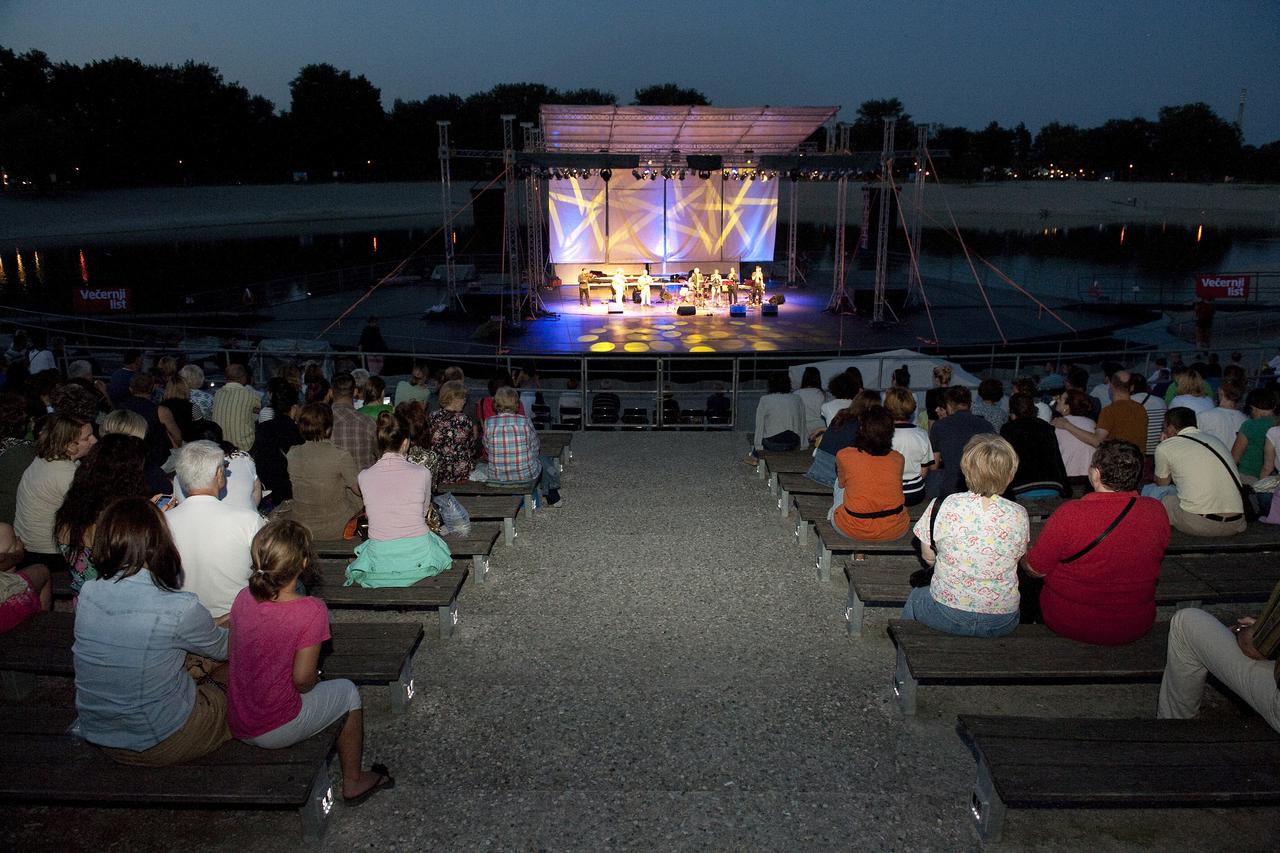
(1256, 537)
(476, 546)
(1071, 763)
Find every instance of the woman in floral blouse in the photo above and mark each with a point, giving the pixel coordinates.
(453, 434)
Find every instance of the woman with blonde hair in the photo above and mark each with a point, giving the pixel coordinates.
(453, 435)
(201, 400)
(124, 422)
(63, 441)
(1192, 392)
(973, 540)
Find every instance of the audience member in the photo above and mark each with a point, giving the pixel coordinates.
(113, 468)
(974, 541)
(235, 407)
(949, 437)
(990, 393)
(1100, 555)
(1073, 408)
(326, 493)
(174, 415)
(1102, 391)
(453, 434)
(415, 387)
(24, 592)
(401, 550)
(843, 389)
(1250, 443)
(812, 397)
(1192, 392)
(935, 403)
(1200, 646)
(124, 422)
(1121, 418)
(1204, 498)
(318, 391)
(276, 697)
(16, 452)
(1078, 380)
(1224, 420)
(1027, 385)
(779, 418)
(1155, 407)
(212, 536)
(376, 400)
(841, 434)
(514, 452)
(139, 401)
(274, 439)
(201, 400)
(1040, 472)
(869, 475)
(911, 441)
(148, 688)
(122, 377)
(351, 432)
(62, 443)
(485, 406)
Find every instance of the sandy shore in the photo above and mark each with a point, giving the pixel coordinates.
(244, 211)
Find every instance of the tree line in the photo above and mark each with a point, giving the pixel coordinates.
(121, 122)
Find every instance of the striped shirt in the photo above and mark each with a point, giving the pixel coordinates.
(235, 409)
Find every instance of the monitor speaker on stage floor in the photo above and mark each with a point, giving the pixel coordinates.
(686, 310)
(769, 309)
(737, 310)
(615, 308)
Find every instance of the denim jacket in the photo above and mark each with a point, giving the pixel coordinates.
(131, 642)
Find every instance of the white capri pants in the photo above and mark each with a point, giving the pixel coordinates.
(321, 706)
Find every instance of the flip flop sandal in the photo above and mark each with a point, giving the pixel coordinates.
(384, 782)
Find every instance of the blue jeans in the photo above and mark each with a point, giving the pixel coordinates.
(1151, 490)
(924, 608)
(548, 479)
(823, 468)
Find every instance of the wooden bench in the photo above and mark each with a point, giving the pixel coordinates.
(1185, 581)
(41, 764)
(527, 494)
(476, 546)
(1034, 762)
(762, 467)
(812, 508)
(793, 462)
(438, 593)
(364, 652)
(790, 484)
(1256, 538)
(500, 508)
(556, 445)
(1030, 655)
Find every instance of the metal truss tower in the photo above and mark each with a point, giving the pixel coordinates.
(841, 302)
(882, 230)
(446, 217)
(533, 223)
(793, 216)
(511, 216)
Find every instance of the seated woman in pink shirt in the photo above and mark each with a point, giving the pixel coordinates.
(275, 695)
(401, 549)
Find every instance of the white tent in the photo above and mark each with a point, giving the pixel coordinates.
(877, 369)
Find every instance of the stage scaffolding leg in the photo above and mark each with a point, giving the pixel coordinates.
(841, 302)
(882, 229)
(536, 267)
(793, 207)
(446, 213)
(511, 218)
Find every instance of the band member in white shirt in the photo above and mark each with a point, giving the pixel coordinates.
(695, 285)
(584, 287)
(619, 286)
(644, 283)
(757, 287)
(731, 287)
(716, 284)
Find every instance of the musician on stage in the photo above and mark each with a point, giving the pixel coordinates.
(717, 283)
(619, 286)
(731, 286)
(757, 287)
(644, 283)
(584, 287)
(695, 285)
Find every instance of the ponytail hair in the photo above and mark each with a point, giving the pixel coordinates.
(393, 429)
(282, 551)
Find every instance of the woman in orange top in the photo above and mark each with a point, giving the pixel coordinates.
(870, 473)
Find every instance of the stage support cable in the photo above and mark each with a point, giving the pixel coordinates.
(915, 289)
(446, 218)
(511, 217)
(841, 302)
(882, 230)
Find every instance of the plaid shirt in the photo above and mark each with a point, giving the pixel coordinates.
(356, 434)
(513, 448)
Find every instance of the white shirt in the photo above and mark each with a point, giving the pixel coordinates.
(813, 398)
(1222, 424)
(778, 413)
(1102, 393)
(41, 360)
(916, 449)
(833, 407)
(1076, 454)
(1043, 412)
(41, 491)
(1195, 404)
(213, 539)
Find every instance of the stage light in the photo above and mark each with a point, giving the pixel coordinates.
(724, 174)
(682, 174)
(606, 174)
(635, 173)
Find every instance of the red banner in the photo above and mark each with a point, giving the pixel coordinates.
(90, 300)
(1222, 286)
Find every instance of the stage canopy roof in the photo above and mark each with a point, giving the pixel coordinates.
(688, 130)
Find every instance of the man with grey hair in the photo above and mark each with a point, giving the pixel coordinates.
(212, 537)
(80, 369)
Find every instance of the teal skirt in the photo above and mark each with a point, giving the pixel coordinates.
(398, 562)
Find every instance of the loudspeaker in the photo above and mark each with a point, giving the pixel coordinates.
(686, 310)
(704, 162)
(615, 308)
(769, 309)
(635, 297)
(778, 299)
(737, 310)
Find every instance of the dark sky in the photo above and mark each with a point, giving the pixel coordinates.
(959, 62)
